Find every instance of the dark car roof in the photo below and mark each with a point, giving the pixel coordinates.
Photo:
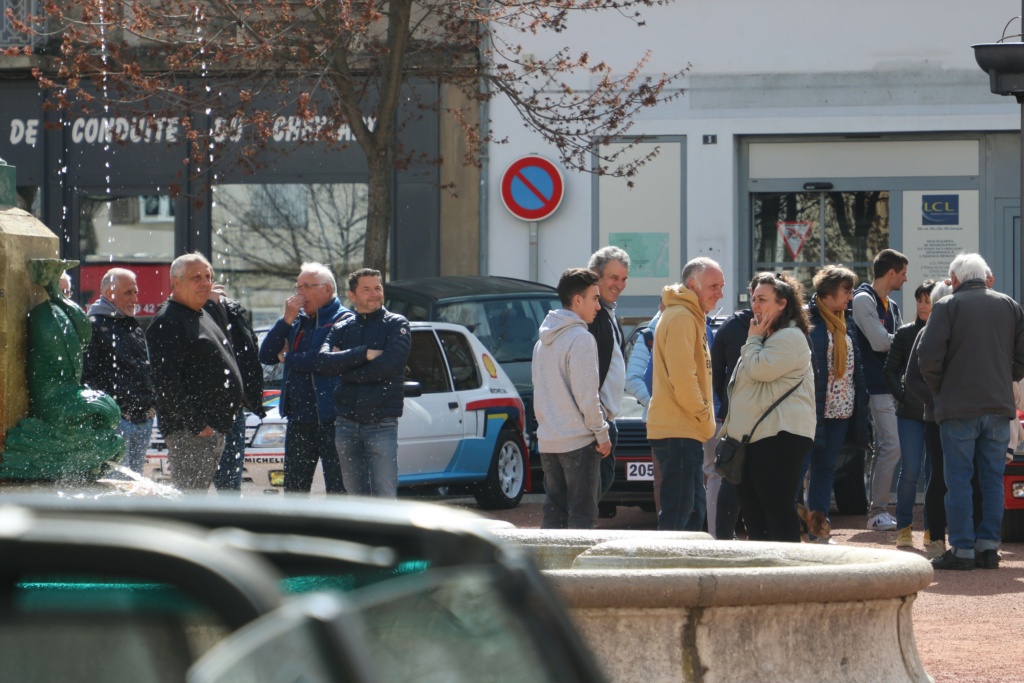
(459, 286)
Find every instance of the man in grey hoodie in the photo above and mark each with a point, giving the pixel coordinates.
(117, 362)
(572, 433)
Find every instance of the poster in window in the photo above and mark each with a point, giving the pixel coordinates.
(937, 225)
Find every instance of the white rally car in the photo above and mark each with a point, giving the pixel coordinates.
(462, 426)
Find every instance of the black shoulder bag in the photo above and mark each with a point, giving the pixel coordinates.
(731, 454)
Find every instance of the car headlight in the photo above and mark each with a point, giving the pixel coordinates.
(1017, 489)
(270, 436)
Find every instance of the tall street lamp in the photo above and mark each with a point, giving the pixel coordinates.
(1004, 63)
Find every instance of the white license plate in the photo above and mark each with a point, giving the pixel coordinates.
(640, 471)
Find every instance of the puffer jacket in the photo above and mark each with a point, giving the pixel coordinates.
(907, 405)
(367, 391)
(819, 349)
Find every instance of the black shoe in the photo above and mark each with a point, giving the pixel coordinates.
(986, 559)
(951, 561)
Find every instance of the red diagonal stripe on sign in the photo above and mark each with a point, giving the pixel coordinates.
(531, 188)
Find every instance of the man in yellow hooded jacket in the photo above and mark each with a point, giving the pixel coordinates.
(681, 414)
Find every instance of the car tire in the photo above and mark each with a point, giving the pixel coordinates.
(1013, 526)
(506, 479)
(607, 510)
(850, 489)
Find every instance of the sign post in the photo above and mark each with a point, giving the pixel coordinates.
(532, 189)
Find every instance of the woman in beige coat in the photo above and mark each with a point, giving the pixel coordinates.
(775, 359)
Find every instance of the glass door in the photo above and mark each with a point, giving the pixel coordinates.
(803, 231)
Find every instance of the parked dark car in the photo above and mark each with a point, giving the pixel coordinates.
(504, 313)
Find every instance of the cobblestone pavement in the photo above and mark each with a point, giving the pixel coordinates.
(969, 626)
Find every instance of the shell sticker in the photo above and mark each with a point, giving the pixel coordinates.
(489, 365)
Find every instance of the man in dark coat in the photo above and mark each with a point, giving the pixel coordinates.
(970, 352)
(117, 362)
(197, 381)
(234, 320)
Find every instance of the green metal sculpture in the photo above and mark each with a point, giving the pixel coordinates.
(70, 431)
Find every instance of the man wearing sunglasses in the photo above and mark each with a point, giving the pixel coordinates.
(307, 396)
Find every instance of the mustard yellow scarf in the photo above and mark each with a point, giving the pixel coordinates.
(836, 324)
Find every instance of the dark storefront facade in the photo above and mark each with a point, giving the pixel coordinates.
(127, 197)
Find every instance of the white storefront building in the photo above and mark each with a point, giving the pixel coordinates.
(809, 133)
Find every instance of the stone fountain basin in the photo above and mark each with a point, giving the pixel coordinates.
(655, 606)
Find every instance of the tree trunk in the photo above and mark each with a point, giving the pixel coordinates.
(379, 213)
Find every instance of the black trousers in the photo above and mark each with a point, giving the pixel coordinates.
(770, 475)
(304, 444)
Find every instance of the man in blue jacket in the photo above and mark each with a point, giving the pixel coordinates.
(307, 396)
(368, 353)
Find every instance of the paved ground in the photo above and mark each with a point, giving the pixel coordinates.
(969, 626)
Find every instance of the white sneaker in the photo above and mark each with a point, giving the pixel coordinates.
(883, 521)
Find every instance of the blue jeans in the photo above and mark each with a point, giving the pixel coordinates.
(912, 455)
(572, 483)
(232, 461)
(683, 499)
(821, 460)
(136, 441)
(968, 443)
(368, 453)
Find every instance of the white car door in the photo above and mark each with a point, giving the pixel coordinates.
(432, 424)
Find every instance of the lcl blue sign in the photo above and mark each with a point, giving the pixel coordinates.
(940, 209)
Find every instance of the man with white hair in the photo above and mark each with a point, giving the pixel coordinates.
(969, 352)
(307, 396)
(195, 374)
(117, 362)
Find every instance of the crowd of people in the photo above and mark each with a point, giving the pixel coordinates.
(791, 380)
(198, 368)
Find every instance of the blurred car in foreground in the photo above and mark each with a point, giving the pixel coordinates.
(206, 589)
(462, 427)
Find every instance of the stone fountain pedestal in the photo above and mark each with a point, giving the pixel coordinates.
(660, 607)
(22, 238)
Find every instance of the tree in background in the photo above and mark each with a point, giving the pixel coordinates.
(339, 65)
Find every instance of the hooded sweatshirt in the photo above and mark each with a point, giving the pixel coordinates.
(566, 384)
(681, 404)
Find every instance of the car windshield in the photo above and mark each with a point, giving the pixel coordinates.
(507, 327)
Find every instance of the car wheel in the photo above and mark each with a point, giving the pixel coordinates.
(1013, 526)
(850, 489)
(607, 510)
(506, 479)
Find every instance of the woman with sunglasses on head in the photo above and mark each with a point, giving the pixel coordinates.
(775, 363)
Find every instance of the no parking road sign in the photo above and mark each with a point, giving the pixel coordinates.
(532, 188)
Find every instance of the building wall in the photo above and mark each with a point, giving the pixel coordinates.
(782, 70)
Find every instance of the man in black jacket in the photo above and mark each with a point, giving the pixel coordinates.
(117, 362)
(611, 265)
(970, 352)
(368, 352)
(197, 381)
(234, 320)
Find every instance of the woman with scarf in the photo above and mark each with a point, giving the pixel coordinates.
(840, 391)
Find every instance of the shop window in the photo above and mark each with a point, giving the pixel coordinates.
(803, 231)
(116, 229)
(263, 233)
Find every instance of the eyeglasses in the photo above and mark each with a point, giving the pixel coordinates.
(303, 288)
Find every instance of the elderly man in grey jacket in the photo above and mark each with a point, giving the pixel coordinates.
(970, 352)
(572, 434)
